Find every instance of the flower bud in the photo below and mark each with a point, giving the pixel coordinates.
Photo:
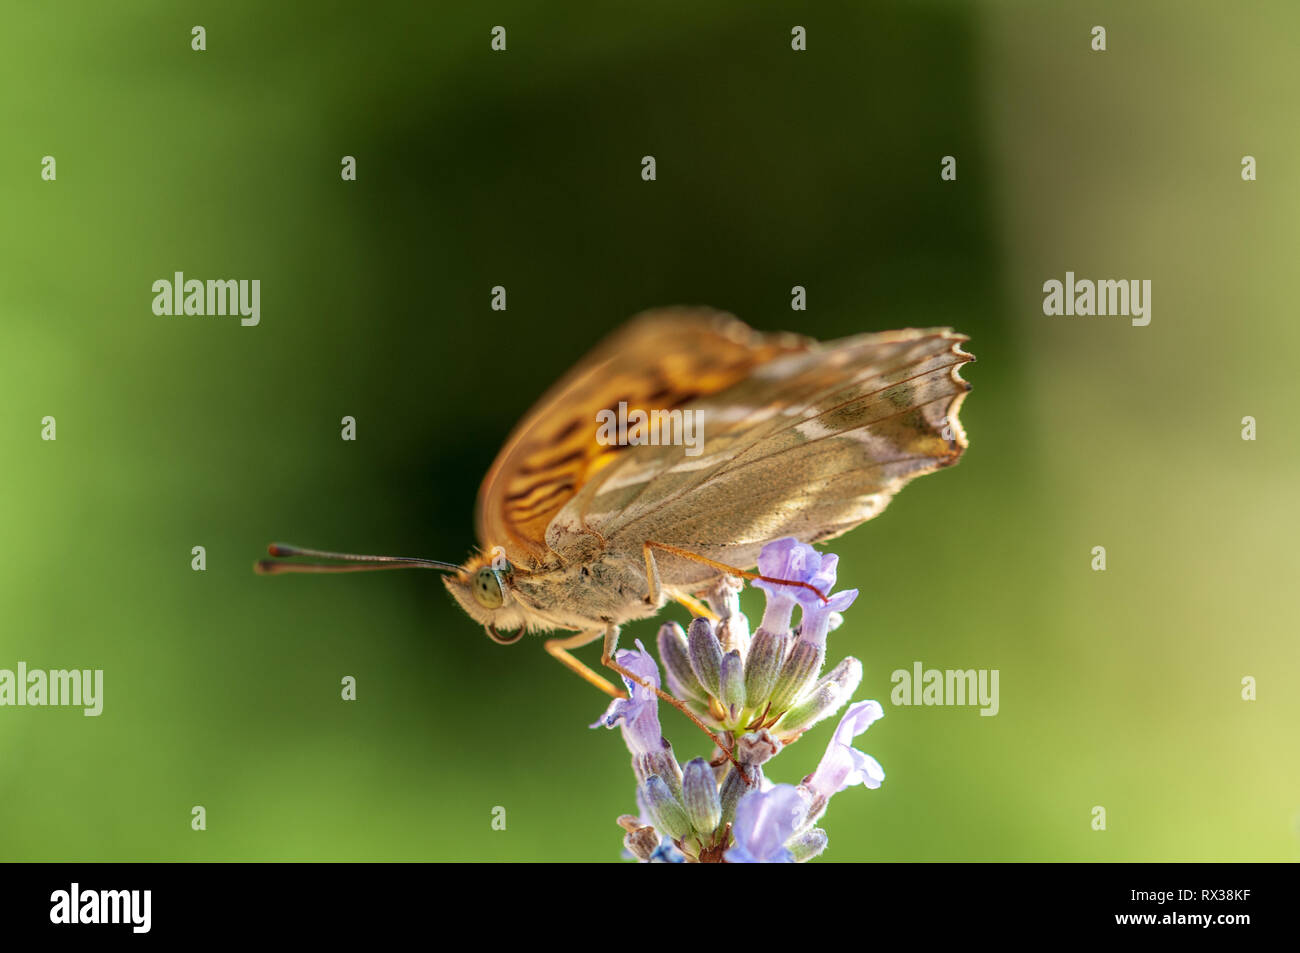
(797, 674)
(661, 763)
(675, 655)
(766, 653)
(700, 796)
(705, 655)
(668, 815)
(732, 683)
(734, 787)
(826, 697)
(807, 845)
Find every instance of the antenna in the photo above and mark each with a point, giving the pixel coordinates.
(343, 562)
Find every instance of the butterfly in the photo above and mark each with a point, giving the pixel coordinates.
(799, 439)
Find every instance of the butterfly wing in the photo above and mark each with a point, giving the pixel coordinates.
(810, 444)
(661, 359)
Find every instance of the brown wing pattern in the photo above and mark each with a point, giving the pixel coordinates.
(809, 445)
(661, 360)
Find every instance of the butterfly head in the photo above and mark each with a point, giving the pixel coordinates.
(485, 588)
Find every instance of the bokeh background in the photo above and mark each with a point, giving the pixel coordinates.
(522, 169)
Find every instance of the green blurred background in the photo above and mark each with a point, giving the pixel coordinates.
(522, 169)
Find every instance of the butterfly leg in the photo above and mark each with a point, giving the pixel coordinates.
(693, 605)
(607, 659)
(559, 650)
(648, 548)
(651, 574)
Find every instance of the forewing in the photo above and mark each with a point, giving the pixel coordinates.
(809, 445)
(661, 359)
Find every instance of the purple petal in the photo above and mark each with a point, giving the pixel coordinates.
(794, 561)
(857, 719)
(788, 559)
(765, 820)
(843, 765)
(639, 712)
(824, 577)
(816, 620)
(640, 663)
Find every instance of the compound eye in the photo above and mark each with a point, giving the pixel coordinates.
(487, 588)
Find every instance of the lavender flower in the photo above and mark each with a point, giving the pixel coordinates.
(817, 615)
(765, 820)
(786, 559)
(843, 765)
(638, 714)
(760, 694)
